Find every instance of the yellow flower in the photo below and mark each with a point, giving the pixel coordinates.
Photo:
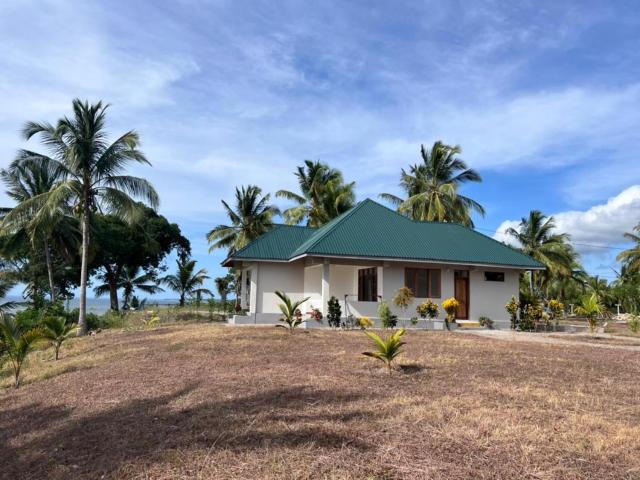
(450, 305)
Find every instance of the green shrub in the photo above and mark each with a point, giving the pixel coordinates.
(512, 309)
(634, 323)
(291, 314)
(387, 319)
(334, 312)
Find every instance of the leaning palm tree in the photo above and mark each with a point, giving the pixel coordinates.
(25, 181)
(536, 237)
(631, 257)
(56, 330)
(432, 187)
(90, 169)
(16, 343)
(251, 217)
(323, 195)
(186, 281)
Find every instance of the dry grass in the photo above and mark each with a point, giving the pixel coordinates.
(207, 401)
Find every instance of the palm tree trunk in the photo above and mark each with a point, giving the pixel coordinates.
(182, 299)
(84, 267)
(113, 295)
(47, 256)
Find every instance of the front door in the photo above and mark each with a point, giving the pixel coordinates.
(461, 292)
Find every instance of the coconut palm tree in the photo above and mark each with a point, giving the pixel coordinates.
(224, 285)
(16, 343)
(131, 278)
(323, 195)
(432, 187)
(631, 257)
(91, 173)
(186, 281)
(251, 217)
(25, 181)
(536, 237)
(57, 330)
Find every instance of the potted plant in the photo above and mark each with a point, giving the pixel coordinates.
(450, 306)
(403, 299)
(428, 309)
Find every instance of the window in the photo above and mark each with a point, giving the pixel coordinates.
(423, 282)
(494, 276)
(368, 285)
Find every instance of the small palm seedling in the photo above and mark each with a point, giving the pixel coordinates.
(592, 308)
(291, 314)
(388, 349)
(16, 343)
(56, 330)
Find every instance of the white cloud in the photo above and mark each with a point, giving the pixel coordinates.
(600, 225)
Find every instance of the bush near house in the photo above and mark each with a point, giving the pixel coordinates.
(334, 312)
(450, 305)
(388, 319)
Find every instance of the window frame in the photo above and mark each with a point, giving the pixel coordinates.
(368, 284)
(500, 276)
(431, 283)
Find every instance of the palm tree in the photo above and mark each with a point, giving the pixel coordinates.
(323, 195)
(187, 282)
(224, 285)
(25, 181)
(90, 169)
(631, 256)
(56, 330)
(536, 238)
(16, 343)
(131, 279)
(251, 218)
(291, 314)
(432, 187)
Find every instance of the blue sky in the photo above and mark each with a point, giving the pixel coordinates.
(543, 97)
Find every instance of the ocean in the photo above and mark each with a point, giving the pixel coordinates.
(101, 305)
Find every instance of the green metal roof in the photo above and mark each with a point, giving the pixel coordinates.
(370, 230)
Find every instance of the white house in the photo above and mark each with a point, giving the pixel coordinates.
(368, 253)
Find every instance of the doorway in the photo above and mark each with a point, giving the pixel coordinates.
(461, 293)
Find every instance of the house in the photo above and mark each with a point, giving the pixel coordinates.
(368, 253)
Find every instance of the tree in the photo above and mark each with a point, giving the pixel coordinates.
(251, 217)
(16, 343)
(56, 330)
(141, 245)
(536, 237)
(91, 176)
(186, 281)
(323, 195)
(432, 187)
(224, 285)
(291, 314)
(131, 278)
(631, 257)
(26, 181)
(591, 307)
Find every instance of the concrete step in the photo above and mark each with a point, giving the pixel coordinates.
(468, 324)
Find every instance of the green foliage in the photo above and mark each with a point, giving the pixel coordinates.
(428, 309)
(591, 307)
(186, 281)
(633, 324)
(432, 187)
(323, 195)
(531, 314)
(56, 330)
(386, 317)
(16, 342)
(512, 309)
(334, 312)
(291, 314)
(486, 322)
(364, 323)
(387, 350)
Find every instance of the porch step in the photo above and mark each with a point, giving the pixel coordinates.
(468, 324)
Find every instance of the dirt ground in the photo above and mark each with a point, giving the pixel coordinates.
(205, 401)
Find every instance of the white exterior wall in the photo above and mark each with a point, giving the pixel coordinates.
(299, 281)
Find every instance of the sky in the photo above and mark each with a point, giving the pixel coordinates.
(542, 96)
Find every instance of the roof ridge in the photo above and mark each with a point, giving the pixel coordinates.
(330, 227)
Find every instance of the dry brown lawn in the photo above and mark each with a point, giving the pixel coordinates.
(205, 401)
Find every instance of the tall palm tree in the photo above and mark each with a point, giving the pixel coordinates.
(91, 170)
(251, 217)
(131, 278)
(631, 256)
(224, 285)
(536, 238)
(432, 187)
(186, 281)
(25, 181)
(323, 195)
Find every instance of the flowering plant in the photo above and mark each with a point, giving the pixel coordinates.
(512, 309)
(428, 309)
(365, 322)
(315, 314)
(450, 306)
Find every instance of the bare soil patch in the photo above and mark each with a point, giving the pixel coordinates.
(207, 401)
